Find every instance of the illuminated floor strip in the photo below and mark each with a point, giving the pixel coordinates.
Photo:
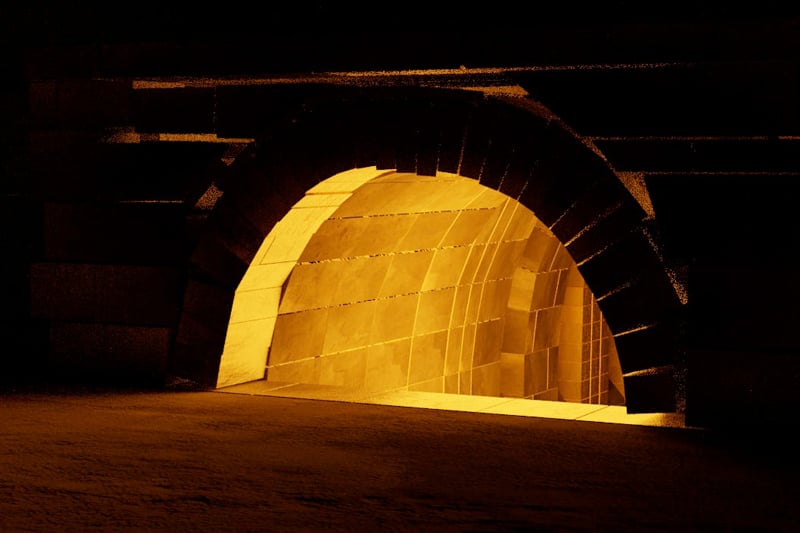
(459, 402)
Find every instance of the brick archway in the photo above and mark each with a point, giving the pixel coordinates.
(506, 143)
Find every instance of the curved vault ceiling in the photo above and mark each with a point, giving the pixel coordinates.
(384, 281)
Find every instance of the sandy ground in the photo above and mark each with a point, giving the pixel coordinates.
(208, 461)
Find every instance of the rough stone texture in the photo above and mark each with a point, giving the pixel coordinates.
(146, 233)
(649, 300)
(623, 262)
(615, 226)
(564, 170)
(607, 195)
(80, 104)
(655, 346)
(111, 352)
(125, 294)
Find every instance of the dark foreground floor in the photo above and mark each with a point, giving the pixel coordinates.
(209, 461)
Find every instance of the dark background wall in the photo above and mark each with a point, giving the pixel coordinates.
(699, 102)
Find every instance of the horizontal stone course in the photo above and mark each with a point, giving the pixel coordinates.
(121, 233)
(111, 350)
(124, 294)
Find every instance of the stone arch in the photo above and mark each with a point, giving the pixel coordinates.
(506, 143)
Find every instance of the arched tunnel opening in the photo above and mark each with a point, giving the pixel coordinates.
(383, 281)
(451, 244)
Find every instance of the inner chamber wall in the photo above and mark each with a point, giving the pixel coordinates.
(438, 284)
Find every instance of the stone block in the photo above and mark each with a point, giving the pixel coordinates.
(451, 384)
(550, 395)
(296, 295)
(135, 295)
(540, 250)
(486, 380)
(433, 385)
(427, 357)
(213, 260)
(346, 369)
(477, 141)
(538, 373)
(488, 342)
(505, 259)
(352, 237)
(150, 233)
(348, 326)
(455, 339)
(235, 230)
(361, 279)
(394, 318)
(566, 170)
(405, 273)
(650, 300)
(512, 374)
(468, 347)
(494, 299)
(469, 227)
(255, 304)
(562, 260)
(405, 136)
(454, 122)
(465, 382)
(548, 329)
(304, 371)
(482, 271)
(298, 335)
(445, 269)
(544, 290)
(518, 331)
(192, 331)
(621, 263)
(244, 355)
(434, 311)
(80, 103)
(110, 352)
(605, 196)
(387, 365)
(616, 226)
(655, 346)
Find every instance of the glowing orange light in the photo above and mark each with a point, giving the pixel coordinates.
(383, 281)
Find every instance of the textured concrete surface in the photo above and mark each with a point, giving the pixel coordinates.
(212, 461)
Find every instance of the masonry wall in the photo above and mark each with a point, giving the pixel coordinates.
(130, 280)
(55, 166)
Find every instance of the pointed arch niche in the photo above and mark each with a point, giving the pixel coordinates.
(382, 281)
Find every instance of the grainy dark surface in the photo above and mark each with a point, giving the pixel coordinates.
(211, 461)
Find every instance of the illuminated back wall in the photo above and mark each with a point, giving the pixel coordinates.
(383, 281)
